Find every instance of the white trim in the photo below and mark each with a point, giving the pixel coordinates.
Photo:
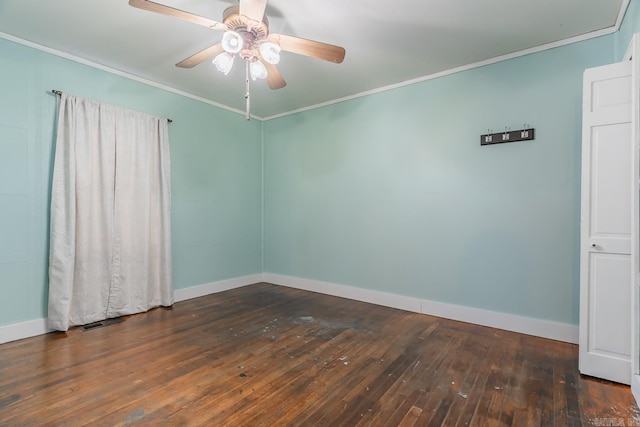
(444, 73)
(525, 325)
(117, 72)
(631, 48)
(215, 287)
(623, 10)
(18, 331)
(634, 56)
(31, 328)
(635, 388)
(509, 322)
(343, 291)
(536, 49)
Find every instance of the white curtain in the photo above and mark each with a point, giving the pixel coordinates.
(110, 249)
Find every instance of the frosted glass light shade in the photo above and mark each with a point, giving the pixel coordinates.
(270, 52)
(232, 42)
(258, 70)
(223, 62)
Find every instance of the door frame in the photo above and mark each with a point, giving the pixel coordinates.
(633, 54)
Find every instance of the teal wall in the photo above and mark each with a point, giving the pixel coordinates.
(393, 192)
(630, 25)
(216, 173)
(388, 192)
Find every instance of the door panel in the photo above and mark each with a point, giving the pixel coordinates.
(605, 246)
(609, 305)
(610, 93)
(611, 169)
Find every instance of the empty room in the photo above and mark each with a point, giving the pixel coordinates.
(270, 213)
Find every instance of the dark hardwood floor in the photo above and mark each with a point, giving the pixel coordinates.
(268, 355)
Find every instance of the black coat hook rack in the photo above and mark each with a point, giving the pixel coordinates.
(524, 134)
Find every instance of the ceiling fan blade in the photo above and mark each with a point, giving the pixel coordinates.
(177, 13)
(253, 9)
(274, 78)
(327, 52)
(201, 56)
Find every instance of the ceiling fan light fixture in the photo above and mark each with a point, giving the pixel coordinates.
(232, 42)
(270, 52)
(258, 70)
(223, 62)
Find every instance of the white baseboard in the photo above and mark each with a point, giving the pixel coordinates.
(359, 294)
(509, 322)
(635, 387)
(215, 287)
(18, 331)
(31, 328)
(530, 326)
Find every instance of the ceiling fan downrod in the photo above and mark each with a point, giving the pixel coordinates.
(247, 95)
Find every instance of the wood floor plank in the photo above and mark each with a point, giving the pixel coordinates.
(268, 355)
(411, 417)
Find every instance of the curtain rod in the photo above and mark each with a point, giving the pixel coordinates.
(59, 93)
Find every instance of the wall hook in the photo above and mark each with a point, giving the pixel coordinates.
(525, 134)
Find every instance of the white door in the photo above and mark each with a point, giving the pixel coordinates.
(605, 244)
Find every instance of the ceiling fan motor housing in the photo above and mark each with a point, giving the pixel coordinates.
(236, 22)
(251, 34)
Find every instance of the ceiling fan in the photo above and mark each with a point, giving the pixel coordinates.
(246, 34)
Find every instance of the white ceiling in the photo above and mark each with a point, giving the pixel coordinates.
(387, 42)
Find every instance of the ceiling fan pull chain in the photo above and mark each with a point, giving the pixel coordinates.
(247, 95)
